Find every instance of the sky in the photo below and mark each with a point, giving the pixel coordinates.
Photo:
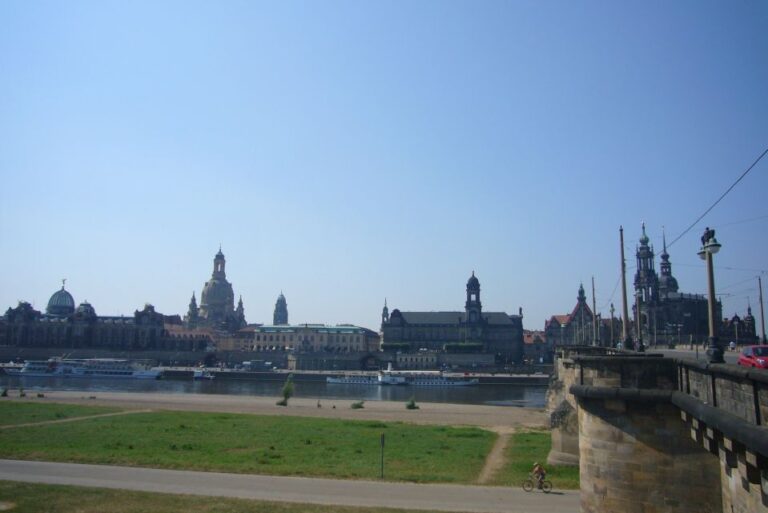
(348, 152)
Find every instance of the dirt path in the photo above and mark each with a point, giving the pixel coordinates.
(497, 457)
(74, 419)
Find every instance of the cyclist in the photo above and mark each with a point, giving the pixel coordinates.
(539, 473)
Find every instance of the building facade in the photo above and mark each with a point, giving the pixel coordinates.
(470, 331)
(64, 326)
(316, 338)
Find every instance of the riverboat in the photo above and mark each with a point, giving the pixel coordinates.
(201, 374)
(391, 377)
(353, 379)
(424, 379)
(86, 368)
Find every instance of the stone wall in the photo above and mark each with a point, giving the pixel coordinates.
(741, 392)
(636, 456)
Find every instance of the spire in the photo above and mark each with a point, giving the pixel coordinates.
(63, 282)
(385, 312)
(644, 237)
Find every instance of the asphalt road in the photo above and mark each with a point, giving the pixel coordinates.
(684, 352)
(295, 489)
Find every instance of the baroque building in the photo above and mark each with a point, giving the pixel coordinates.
(470, 331)
(65, 327)
(217, 302)
(281, 311)
(666, 314)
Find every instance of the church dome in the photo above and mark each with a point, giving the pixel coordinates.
(61, 303)
(85, 310)
(668, 282)
(217, 292)
(473, 281)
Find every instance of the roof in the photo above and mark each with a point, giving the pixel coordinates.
(452, 317)
(559, 319)
(532, 337)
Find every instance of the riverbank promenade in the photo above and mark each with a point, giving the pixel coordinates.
(458, 498)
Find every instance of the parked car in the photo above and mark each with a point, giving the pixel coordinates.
(754, 356)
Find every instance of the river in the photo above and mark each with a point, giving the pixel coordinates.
(497, 395)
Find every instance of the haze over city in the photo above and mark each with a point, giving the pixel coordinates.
(346, 152)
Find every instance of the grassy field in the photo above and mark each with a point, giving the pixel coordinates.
(528, 447)
(12, 413)
(277, 445)
(37, 498)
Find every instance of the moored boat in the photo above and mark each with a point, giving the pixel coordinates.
(353, 379)
(87, 368)
(203, 374)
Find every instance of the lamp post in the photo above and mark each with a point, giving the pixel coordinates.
(612, 310)
(640, 347)
(710, 246)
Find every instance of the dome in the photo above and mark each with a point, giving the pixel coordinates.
(644, 238)
(668, 282)
(217, 291)
(473, 282)
(61, 303)
(85, 310)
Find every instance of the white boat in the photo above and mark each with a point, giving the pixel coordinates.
(353, 379)
(424, 379)
(414, 378)
(202, 374)
(87, 368)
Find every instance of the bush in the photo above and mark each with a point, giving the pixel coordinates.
(411, 404)
(287, 391)
(4, 393)
(358, 405)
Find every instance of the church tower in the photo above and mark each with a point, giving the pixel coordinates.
(646, 279)
(217, 302)
(240, 314)
(281, 311)
(473, 307)
(667, 282)
(385, 312)
(192, 314)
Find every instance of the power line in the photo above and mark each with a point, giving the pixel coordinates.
(719, 199)
(743, 221)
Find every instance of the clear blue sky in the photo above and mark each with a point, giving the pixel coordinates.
(344, 152)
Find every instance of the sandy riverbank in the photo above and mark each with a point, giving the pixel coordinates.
(500, 418)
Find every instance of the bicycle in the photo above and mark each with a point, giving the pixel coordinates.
(544, 485)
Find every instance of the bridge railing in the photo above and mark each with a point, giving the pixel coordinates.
(738, 391)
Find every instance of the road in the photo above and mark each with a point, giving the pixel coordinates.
(440, 497)
(684, 352)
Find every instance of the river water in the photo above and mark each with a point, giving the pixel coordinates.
(498, 395)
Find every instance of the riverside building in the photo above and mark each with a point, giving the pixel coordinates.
(472, 331)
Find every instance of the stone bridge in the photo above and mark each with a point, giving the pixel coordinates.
(652, 434)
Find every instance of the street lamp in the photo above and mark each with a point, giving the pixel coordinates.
(710, 246)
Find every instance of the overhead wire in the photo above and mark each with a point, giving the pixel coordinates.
(719, 199)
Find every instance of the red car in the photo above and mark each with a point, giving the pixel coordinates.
(754, 356)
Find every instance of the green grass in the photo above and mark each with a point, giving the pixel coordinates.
(17, 412)
(37, 498)
(524, 449)
(277, 445)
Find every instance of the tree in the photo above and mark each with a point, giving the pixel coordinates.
(287, 391)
